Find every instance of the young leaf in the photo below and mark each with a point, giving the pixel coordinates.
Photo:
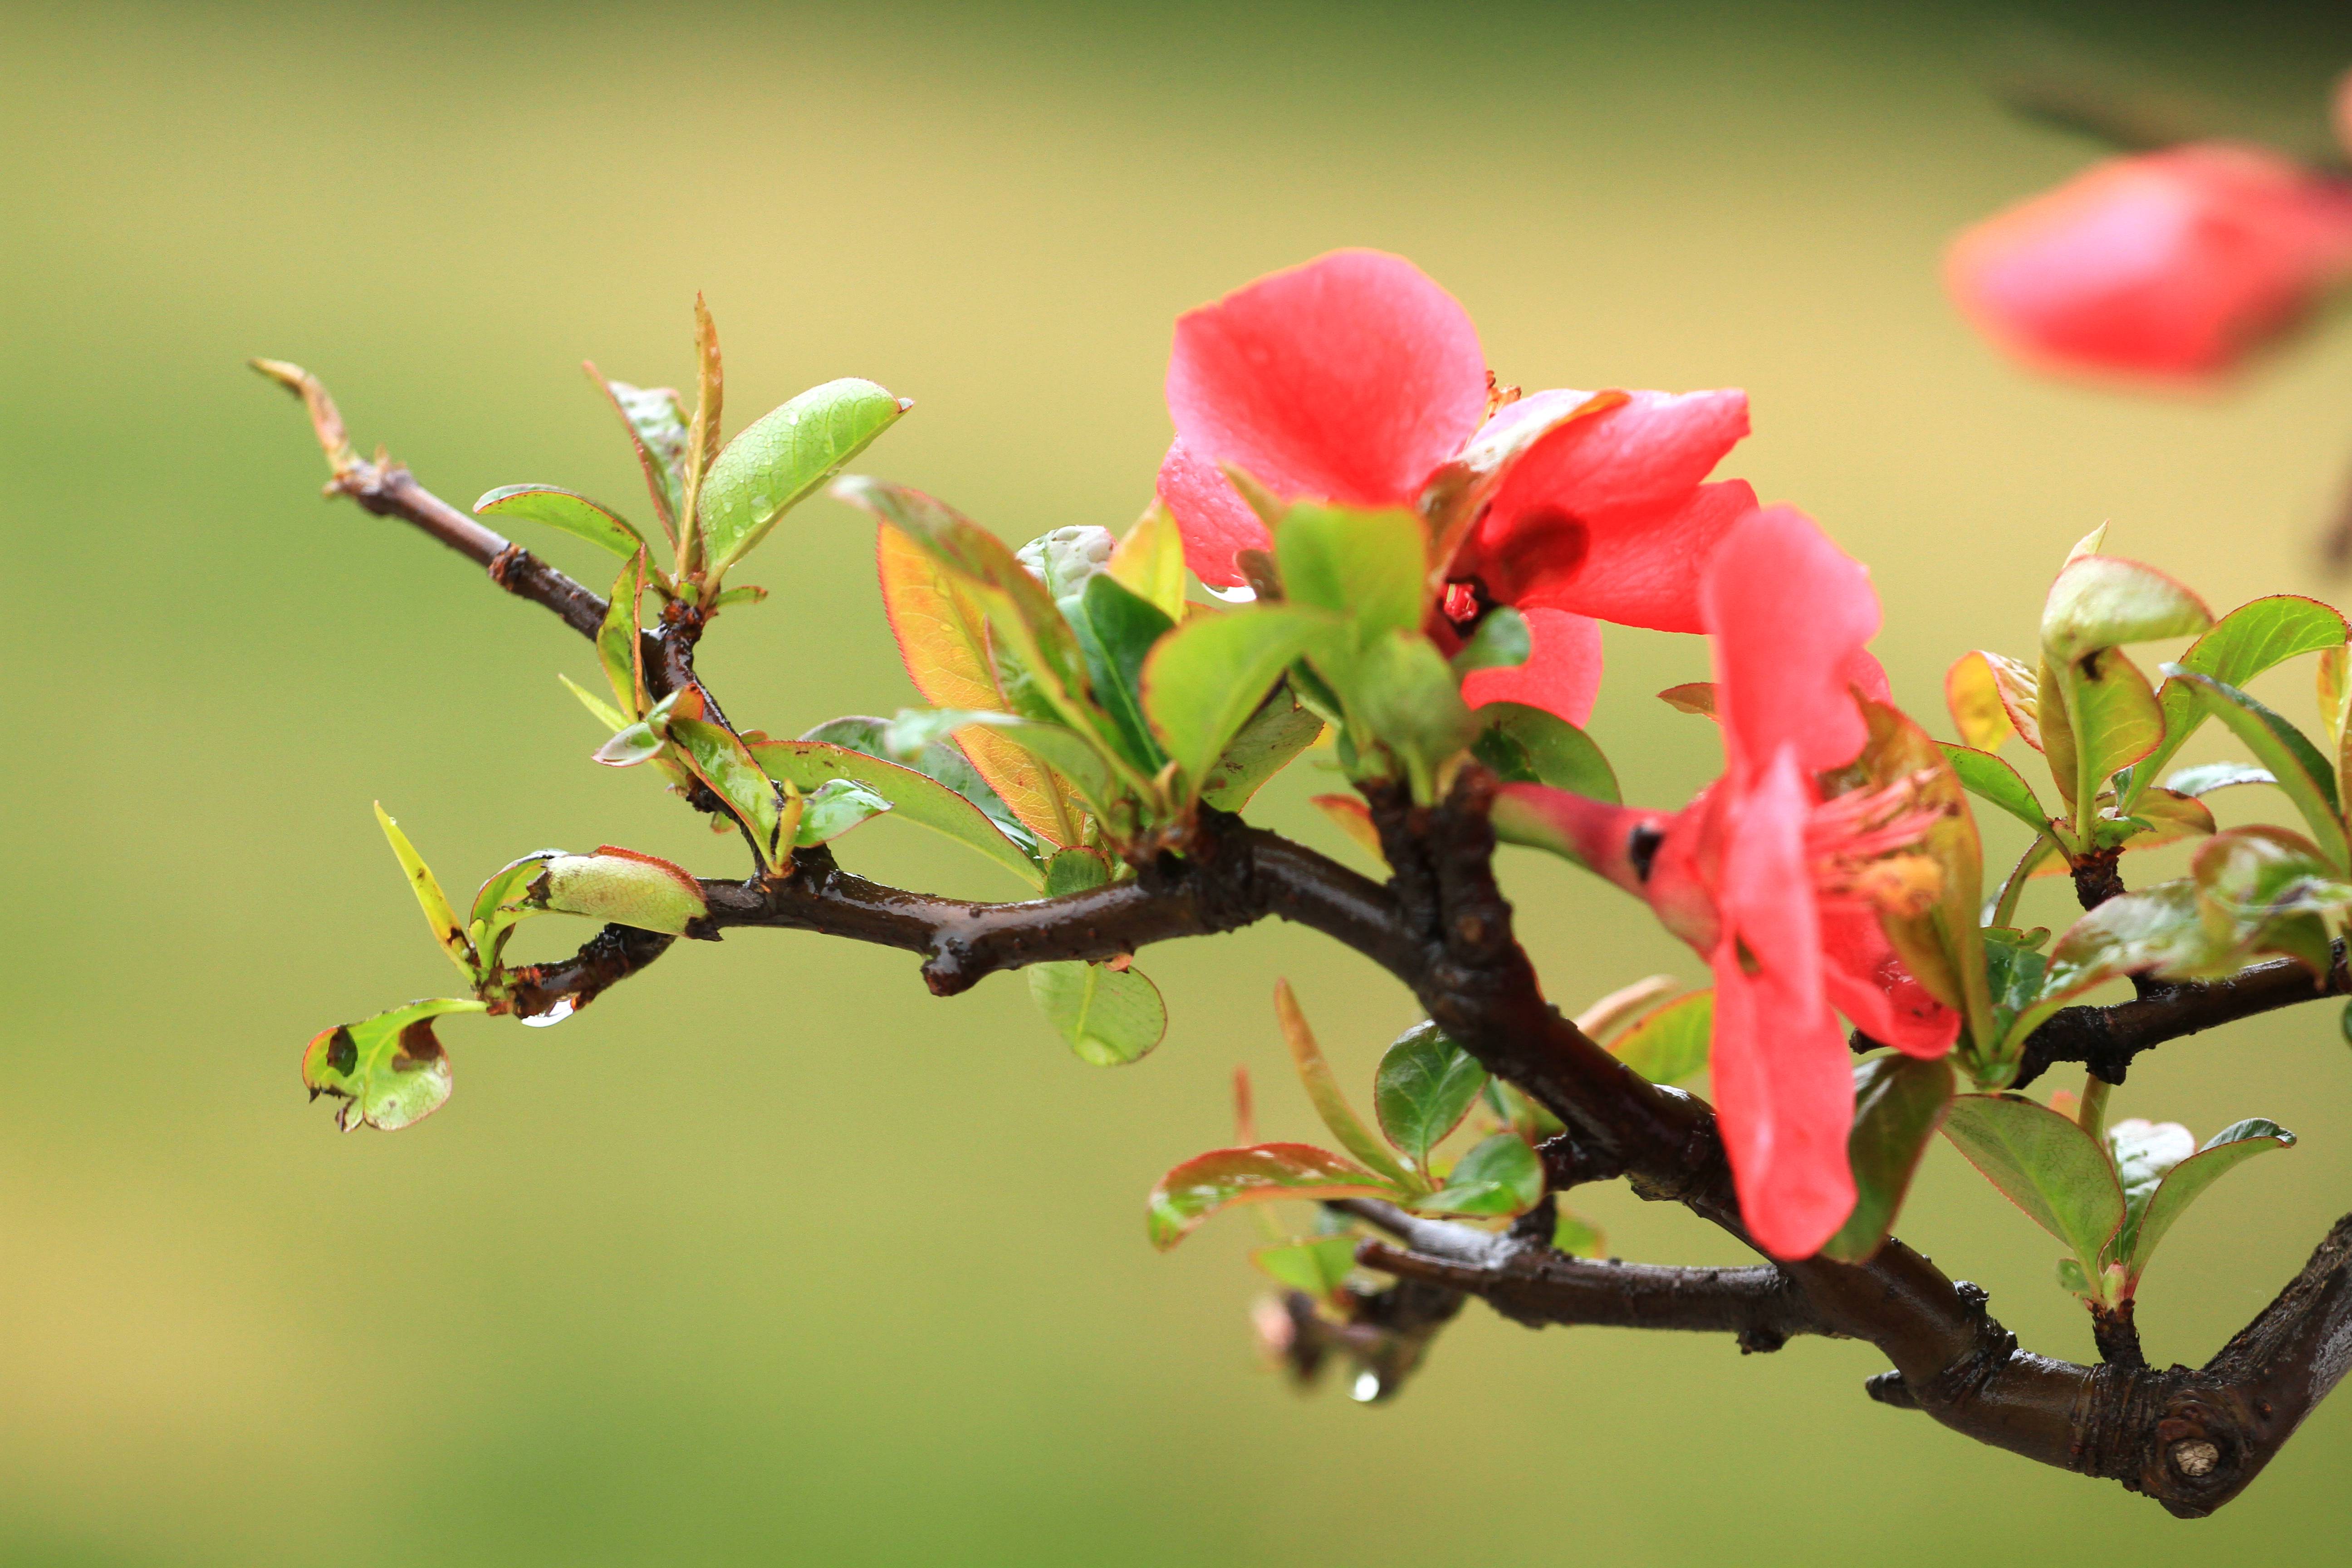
(498, 905)
(629, 745)
(1365, 567)
(657, 427)
(574, 514)
(1323, 1089)
(1672, 1043)
(702, 435)
(1353, 818)
(784, 457)
(2104, 601)
(622, 887)
(1425, 1086)
(446, 930)
(810, 765)
(2186, 1182)
(1988, 777)
(2206, 777)
(2142, 1152)
(834, 807)
(2156, 930)
(1972, 693)
(943, 638)
(1267, 742)
(1501, 642)
(2044, 1163)
(1148, 561)
(1222, 1177)
(1070, 755)
(2250, 639)
(1205, 680)
(1898, 1102)
(1116, 630)
(1622, 1005)
(1409, 702)
(389, 1070)
(598, 709)
(2115, 714)
(1319, 1267)
(720, 759)
(2302, 773)
(619, 647)
(1529, 745)
(1500, 1176)
(1076, 871)
(2056, 728)
(1109, 1017)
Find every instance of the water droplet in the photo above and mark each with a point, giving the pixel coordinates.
(1241, 595)
(1367, 1387)
(565, 1008)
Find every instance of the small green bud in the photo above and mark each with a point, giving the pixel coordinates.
(621, 885)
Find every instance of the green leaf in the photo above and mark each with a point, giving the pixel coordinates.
(1500, 1176)
(2206, 777)
(390, 1069)
(782, 458)
(1075, 871)
(2115, 719)
(2250, 639)
(1222, 1177)
(834, 807)
(2157, 929)
(657, 427)
(2301, 772)
(811, 765)
(498, 905)
(1672, 1043)
(1319, 1267)
(629, 745)
(1578, 1236)
(598, 709)
(2142, 1152)
(1267, 742)
(2186, 1182)
(2056, 727)
(1365, 567)
(1109, 1017)
(443, 921)
(1529, 745)
(1425, 1086)
(1898, 1102)
(1501, 642)
(1149, 559)
(622, 886)
(1408, 701)
(620, 647)
(574, 514)
(2044, 1163)
(942, 761)
(2264, 890)
(1323, 1092)
(1988, 777)
(2103, 600)
(2014, 973)
(1116, 630)
(721, 761)
(1066, 751)
(1205, 680)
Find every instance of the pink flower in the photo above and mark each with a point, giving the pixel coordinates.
(1771, 881)
(1355, 379)
(2176, 265)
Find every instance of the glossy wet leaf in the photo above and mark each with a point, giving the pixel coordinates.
(2264, 890)
(2142, 1152)
(574, 514)
(1425, 1085)
(784, 457)
(1672, 1043)
(1148, 561)
(1898, 1102)
(1109, 1017)
(1115, 629)
(2250, 639)
(620, 649)
(2302, 773)
(834, 807)
(1972, 695)
(629, 745)
(449, 932)
(1267, 742)
(1068, 752)
(721, 761)
(1989, 779)
(1523, 744)
(1323, 1091)
(2206, 777)
(1500, 1176)
(389, 1071)
(2186, 1182)
(1319, 1267)
(2104, 601)
(1076, 871)
(2045, 1164)
(943, 640)
(1501, 642)
(657, 427)
(1205, 681)
(622, 887)
(499, 904)
(914, 795)
(1222, 1177)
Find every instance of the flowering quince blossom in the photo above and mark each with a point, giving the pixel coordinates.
(1354, 378)
(1778, 887)
(2177, 264)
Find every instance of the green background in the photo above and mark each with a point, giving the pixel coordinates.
(768, 1256)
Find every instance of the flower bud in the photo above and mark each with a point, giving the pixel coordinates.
(2174, 265)
(622, 887)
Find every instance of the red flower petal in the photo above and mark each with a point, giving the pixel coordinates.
(1789, 613)
(1563, 673)
(1347, 379)
(1783, 1076)
(1867, 983)
(2173, 264)
(1211, 515)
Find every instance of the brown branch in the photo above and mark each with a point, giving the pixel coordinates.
(611, 956)
(2105, 1039)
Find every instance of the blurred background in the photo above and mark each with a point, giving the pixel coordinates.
(769, 1256)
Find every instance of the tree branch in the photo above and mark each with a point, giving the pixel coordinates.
(2105, 1039)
